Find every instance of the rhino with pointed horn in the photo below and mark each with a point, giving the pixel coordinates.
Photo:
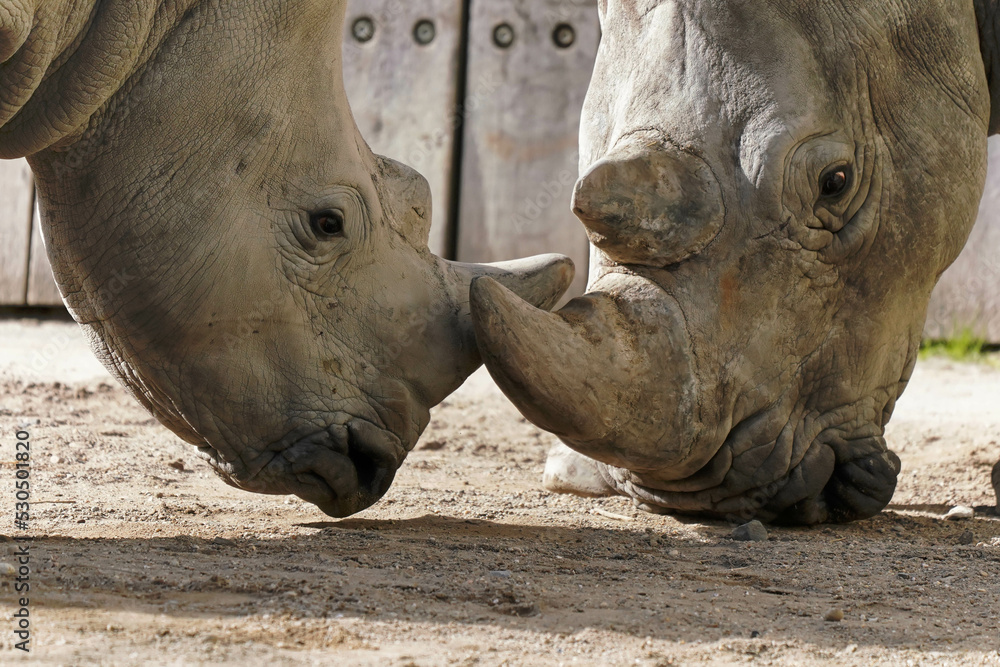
(771, 189)
(237, 256)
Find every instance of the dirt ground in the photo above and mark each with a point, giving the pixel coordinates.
(467, 561)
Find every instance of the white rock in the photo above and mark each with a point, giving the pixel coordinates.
(960, 512)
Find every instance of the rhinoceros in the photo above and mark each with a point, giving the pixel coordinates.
(236, 254)
(771, 189)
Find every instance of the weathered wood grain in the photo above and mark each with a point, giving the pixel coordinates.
(16, 197)
(42, 290)
(404, 94)
(520, 155)
(968, 295)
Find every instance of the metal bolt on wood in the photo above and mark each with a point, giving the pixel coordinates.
(503, 35)
(363, 29)
(424, 32)
(564, 35)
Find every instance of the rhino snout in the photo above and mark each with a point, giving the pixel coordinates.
(651, 206)
(341, 469)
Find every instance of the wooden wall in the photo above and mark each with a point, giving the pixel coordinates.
(968, 295)
(403, 84)
(488, 110)
(519, 160)
(25, 276)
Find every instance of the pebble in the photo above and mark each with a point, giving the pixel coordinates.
(834, 616)
(223, 541)
(7, 568)
(750, 532)
(500, 574)
(966, 538)
(960, 512)
(177, 465)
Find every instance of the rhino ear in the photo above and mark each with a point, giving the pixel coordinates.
(16, 19)
(988, 17)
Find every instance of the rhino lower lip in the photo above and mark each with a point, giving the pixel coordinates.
(341, 469)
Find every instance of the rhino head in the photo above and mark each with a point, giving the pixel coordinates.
(237, 256)
(771, 189)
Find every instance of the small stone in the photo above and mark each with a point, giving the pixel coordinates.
(7, 568)
(754, 634)
(222, 541)
(960, 512)
(750, 532)
(433, 445)
(525, 610)
(834, 616)
(966, 538)
(57, 459)
(177, 465)
(500, 574)
(851, 648)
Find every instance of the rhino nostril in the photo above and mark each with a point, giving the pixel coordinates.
(368, 469)
(376, 454)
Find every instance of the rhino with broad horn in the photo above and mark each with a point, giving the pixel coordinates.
(236, 254)
(771, 189)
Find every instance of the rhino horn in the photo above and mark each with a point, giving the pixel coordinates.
(583, 374)
(653, 205)
(540, 280)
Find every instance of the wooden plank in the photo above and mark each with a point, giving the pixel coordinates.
(16, 197)
(520, 150)
(42, 290)
(968, 295)
(404, 94)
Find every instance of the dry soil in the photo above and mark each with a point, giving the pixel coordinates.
(139, 555)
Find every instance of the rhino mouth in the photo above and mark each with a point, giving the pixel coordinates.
(342, 469)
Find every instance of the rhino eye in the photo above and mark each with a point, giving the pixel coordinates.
(835, 182)
(327, 223)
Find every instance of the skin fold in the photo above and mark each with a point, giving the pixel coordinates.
(234, 251)
(771, 189)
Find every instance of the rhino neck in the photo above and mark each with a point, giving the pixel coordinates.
(76, 56)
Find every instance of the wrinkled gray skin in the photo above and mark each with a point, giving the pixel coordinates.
(746, 336)
(180, 149)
